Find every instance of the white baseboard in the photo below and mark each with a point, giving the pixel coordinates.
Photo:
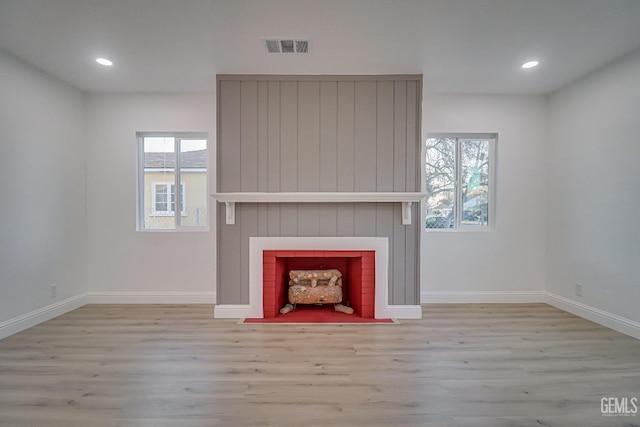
(604, 318)
(236, 311)
(487, 297)
(400, 312)
(20, 323)
(151, 298)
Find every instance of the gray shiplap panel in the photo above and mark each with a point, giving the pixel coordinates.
(289, 136)
(273, 220)
(289, 219)
(263, 219)
(413, 136)
(247, 214)
(400, 136)
(273, 134)
(384, 136)
(365, 136)
(365, 219)
(228, 286)
(345, 217)
(308, 136)
(249, 136)
(411, 262)
(328, 219)
(263, 136)
(308, 219)
(345, 134)
(328, 136)
(229, 151)
(368, 136)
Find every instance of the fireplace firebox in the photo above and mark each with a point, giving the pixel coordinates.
(358, 277)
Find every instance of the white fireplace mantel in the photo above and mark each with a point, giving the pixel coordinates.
(230, 200)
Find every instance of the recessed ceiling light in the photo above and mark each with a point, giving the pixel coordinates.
(104, 61)
(530, 64)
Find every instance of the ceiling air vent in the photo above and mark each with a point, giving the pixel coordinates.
(287, 46)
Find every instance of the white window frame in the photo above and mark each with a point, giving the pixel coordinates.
(181, 190)
(458, 226)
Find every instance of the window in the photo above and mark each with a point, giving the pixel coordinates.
(164, 198)
(163, 161)
(459, 171)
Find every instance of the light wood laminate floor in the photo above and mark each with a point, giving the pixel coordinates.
(174, 365)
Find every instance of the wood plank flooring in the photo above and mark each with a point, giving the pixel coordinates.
(174, 365)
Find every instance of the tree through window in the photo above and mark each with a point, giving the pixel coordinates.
(459, 181)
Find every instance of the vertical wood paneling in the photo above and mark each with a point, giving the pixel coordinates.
(328, 219)
(263, 154)
(308, 219)
(345, 150)
(365, 136)
(328, 136)
(411, 261)
(308, 155)
(307, 135)
(229, 152)
(263, 136)
(249, 136)
(384, 136)
(413, 137)
(412, 247)
(228, 180)
(329, 155)
(289, 136)
(273, 155)
(345, 135)
(365, 219)
(400, 136)
(273, 220)
(273, 136)
(399, 245)
(263, 220)
(288, 219)
(346, 214)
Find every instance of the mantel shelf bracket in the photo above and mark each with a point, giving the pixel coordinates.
(230, 208)
(230, 200)
(406, 213)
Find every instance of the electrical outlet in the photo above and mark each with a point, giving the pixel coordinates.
(578, 289)
(53, 290)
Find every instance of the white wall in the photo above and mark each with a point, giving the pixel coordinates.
(593, 190)
(43, 238)
(126, 265)
(505, 265)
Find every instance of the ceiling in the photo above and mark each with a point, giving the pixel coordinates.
(460, 46)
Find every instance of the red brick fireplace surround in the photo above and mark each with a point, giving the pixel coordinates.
(358, 272)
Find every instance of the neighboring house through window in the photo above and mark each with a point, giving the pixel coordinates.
(460, 184)
(164, 159)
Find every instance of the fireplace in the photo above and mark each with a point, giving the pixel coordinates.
(357, 269)
(348, 247)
